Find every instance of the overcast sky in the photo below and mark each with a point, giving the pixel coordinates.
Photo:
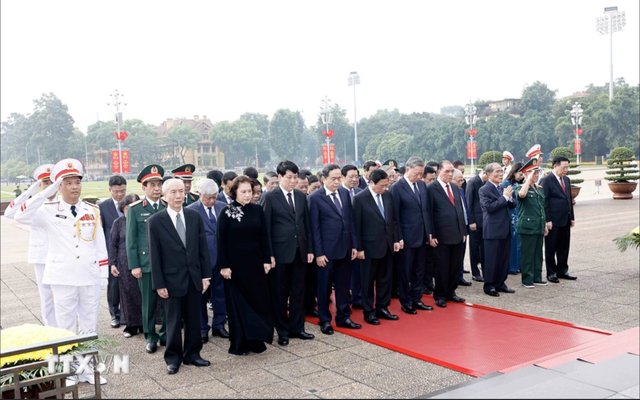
(221, 59)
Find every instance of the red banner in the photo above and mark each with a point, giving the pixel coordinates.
(472, 149)
(328, 155)
(120, 135)
(472, 132)
(577, 146)
(115, 162)
(578, 131)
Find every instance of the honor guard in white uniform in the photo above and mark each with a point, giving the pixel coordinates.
(507, 160)
(76, 261)
(38, 243)
(535, 152)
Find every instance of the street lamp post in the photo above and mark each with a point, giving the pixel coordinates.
(470, 117)
(354, 79)
(327, 118)
(117, 103)
(576, 119)
(611, 21)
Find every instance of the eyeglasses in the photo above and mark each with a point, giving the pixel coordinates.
(119, 191)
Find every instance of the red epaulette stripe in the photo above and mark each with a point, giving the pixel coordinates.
(11, 204)
(104, 262)
(22, 208)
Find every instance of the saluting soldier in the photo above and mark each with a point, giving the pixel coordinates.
(38, 243)
(138, 252)
(185, 172)
(76, 262)
(532, 226)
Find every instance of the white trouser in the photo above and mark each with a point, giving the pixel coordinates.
(46, 298)
(81, 302)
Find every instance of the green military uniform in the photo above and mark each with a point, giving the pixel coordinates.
(531, 227)
(185, 172)
(138, 255)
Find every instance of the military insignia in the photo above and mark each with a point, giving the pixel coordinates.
(61, 216)
(70, 165)
(187, 169)
(145, 214)
(154, 170)
(48, 170)
(144, 203)
(135, 203)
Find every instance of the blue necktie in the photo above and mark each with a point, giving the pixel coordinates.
(417, 192)
(337, 203)
(212, 216)
(118, 211)
(380, 205)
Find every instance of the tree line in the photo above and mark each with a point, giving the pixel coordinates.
(47, 134)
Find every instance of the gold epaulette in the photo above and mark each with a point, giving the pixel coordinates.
(90, 204)
(135, 203)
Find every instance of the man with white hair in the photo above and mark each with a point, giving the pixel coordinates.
(209, 210)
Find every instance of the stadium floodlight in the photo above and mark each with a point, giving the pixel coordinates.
(354, 79)
(611, 21)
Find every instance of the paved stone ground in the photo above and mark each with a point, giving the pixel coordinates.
(605, 296)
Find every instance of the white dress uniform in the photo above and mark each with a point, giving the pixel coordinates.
(535, 152)
(76, 260)
(38, 245)
(507, 169)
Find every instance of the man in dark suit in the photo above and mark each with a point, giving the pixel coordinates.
(474, 212)
(209, 209)
(458, 180)
(560, 220)
(429, 175)
(459, 165)
(411, 206)
(334, 244)
(448, 237)
(367, 168)
(377, 242)
(227, 180)
(287, 219)
(180, 273)
(350, 180)
(496, 201)
(109, 212)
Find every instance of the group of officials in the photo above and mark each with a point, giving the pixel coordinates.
(392, 232)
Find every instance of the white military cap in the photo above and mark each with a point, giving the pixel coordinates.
(43, 172)
(66, 168)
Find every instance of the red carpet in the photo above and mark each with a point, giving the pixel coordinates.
(472, 339)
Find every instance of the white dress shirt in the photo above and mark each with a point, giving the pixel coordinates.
(173, 215)
(375, 197)
(329, 193)
(410, 183)
(152, 202)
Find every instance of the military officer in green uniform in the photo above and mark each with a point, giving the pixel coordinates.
(532, 226)
(138, 251)
(185, 172)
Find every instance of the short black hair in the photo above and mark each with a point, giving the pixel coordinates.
(457, 163)
(369, 164)
(319, 174)
(558, 160)
(237, 181)
(433, 164)
(128, 199)
(256, 182)
(326, 170)
(216, 176)
(285, 166)
(304, 173)
(402, 170)
(377, 175)
(269, 175)
(428, 170)
(251, 172)
(312, 178)
(228, 176)
(349, 167)
(117, 180)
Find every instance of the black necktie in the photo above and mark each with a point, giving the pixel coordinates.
(337, 202)
(73, 211)
(417, 192)
(155, 206)
(293, 210)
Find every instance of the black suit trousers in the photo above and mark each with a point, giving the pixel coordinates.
(476, 251)
(429, 267)
(497, 254)
(447, 270)
(310, 286)
(556, 248)
(177, 310)
(337, 272)
(378, 271)
(113, 296)
(288, 282)
(411, 274)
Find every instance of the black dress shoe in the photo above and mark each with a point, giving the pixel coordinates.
(326, 329)
(357, 307)
(115, 322)
(409, 310)
(198, 362)
(283, 341)
(493, 293)
(553, 279)
(349, 324)
(463, 282)
(421, 306)
(371, 319)
(151, 348)
(513, 272)
(478, 278)
(302, 335)
(384, 313)
(466, 271)
(457, 299)
(172, 369)
(507, 290)
(163, 343)
(204, 336)
(220, 333)
(567, 276)
(441, 303)
(312, 313)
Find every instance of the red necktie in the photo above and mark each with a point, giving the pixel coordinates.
(450, 196)
(564, 189)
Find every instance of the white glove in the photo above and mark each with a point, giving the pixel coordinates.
(51, 190)
(104, 282)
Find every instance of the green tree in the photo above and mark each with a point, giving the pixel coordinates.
(285, 133)
(537, 97)
(262, 124)
(238, 140)
(394, 145)
(453, 111)
(16, 134)
(183, 137)
(51, 123)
